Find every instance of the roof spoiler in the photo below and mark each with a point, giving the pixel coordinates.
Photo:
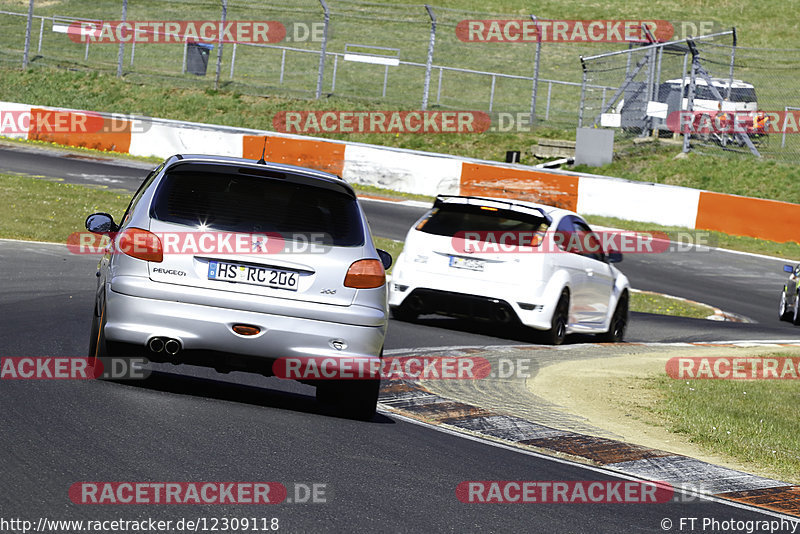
(478, 201)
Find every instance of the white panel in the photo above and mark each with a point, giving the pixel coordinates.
(638, 201)
(377, 60)
(14, 120)
(154, 139)
(410, 173)
(611, 120)
(657, 109)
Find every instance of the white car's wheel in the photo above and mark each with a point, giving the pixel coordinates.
(619, 322)
(558, 324)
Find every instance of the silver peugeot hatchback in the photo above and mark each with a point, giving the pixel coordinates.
(235, 264)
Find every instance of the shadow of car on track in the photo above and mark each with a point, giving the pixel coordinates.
(515, 332)
(266, 397)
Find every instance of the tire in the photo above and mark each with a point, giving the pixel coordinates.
(619, 322)
(796, 312)
(99, 348)
(97, 342)
(403, 313)
(354, 399)
(360, 399)
(326, 394)
(558, 324)
(783, 313)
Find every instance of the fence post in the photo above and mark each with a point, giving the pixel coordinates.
(327, 19)
(185, 49)
(429, 63)
(333, 80)
(690, 95)
(547, 109)
(439, 90)
(733, 57)
(28, 36)
(683, 88)
(233, 60)
(535, 88)
(491, 95)
(785, 121)
(41, 32)
(283, 64)
(583, 94)
(121, 52)
(219, 42)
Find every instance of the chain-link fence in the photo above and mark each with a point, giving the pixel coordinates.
(706, 92)
(406, 55)
(414, 56)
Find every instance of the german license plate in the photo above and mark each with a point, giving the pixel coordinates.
(249, 274)
(466, 263)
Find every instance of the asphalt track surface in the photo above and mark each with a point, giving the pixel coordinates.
(191, 424)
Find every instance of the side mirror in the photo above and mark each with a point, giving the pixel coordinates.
(386, 258)
(101, 223)
(614, 256)
(788, 269)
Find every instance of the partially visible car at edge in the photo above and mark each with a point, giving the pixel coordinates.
(789, 307)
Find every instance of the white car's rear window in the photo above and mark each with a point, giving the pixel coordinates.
(447, 220)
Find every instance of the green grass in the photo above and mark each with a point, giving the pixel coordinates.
(648, 162)
(41, 210)
(648, 302)
(368, 190)
(389, 245)
(752, 421)
(103, 92)
(790, 250)
(154, 85)
(746, 176)
(45, 210)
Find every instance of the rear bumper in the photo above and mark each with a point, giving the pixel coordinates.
(204, 330)
(443, 295)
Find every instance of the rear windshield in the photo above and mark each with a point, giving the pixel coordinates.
(450, 219)
(250, 204)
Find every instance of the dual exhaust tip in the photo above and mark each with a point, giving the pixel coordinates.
(165, 344)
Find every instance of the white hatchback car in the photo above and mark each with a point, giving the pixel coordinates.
(510, 261)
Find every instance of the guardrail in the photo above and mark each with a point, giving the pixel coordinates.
(432, 174)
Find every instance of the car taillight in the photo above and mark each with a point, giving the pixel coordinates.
(140, 244)
(365, 274)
